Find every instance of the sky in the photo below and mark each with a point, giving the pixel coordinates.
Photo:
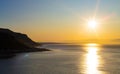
(62, 20)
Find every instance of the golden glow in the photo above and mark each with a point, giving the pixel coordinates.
(92, 45)
(92, 60)
(92, 24)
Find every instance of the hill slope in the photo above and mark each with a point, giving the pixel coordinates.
(12, 42)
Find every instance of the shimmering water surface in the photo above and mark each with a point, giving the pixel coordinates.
(65, 59)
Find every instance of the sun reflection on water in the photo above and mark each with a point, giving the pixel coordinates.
(92, 60)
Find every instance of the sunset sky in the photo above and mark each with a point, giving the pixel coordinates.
(62, 20)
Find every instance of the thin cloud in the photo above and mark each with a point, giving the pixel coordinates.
(116, 40)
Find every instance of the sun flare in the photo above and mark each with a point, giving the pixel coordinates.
(92, 24)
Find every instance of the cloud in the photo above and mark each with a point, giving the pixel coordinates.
(116, 40)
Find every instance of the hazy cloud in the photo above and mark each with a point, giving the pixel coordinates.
(116, 40)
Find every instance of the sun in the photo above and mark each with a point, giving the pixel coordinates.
(92, 24)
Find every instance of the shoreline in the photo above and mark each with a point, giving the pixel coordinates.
(13, 53)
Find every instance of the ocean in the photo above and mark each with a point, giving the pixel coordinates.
(65, 59)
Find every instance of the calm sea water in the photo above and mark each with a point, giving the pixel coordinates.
(65, 59)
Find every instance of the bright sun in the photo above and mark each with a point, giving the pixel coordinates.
(92, 24)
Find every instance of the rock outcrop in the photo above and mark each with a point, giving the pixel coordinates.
(13, 42)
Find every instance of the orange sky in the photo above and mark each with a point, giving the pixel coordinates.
(63, 20)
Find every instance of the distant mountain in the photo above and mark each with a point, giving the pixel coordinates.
(12, 42)
(42, 43)
(111, 45)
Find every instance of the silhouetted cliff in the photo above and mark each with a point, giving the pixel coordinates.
(12, 42)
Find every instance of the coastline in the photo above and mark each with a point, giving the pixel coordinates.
(12, 43)
(11, 54)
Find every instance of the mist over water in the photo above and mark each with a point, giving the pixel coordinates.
(65, 59)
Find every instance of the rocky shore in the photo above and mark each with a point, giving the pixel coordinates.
(12, 43)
